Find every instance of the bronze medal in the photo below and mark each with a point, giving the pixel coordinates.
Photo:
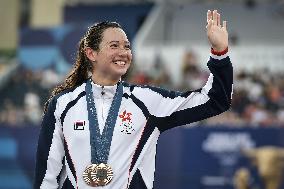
(98, 175)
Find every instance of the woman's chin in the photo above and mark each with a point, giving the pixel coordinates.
(117, 74)
(121, 70)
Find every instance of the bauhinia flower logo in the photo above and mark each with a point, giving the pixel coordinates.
(126, 122)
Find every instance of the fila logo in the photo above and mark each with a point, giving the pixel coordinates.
(79, 125)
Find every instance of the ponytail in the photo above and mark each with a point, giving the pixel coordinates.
(76, 77)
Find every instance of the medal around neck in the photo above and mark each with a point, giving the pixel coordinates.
(99, 173)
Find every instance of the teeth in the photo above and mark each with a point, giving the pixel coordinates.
(120, 63)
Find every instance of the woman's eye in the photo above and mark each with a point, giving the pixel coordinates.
(114, 45)
(127, 46)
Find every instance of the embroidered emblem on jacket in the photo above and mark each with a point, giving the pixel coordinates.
(126, 122)
(79, 125)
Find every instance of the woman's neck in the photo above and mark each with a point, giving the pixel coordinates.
(104, 81)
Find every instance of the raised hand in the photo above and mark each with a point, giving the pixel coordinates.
(216, 33)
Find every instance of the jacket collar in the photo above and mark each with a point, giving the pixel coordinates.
(105, 92)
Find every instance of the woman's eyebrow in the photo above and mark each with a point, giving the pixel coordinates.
(118, 42)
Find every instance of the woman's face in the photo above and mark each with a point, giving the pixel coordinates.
(114, 56)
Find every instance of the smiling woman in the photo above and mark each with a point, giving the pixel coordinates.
(112, 59)
(99, 45)
(99, 131)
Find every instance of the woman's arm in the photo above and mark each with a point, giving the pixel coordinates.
(170, 109)
(50, 150)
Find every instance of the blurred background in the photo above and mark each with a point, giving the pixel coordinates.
(241, 149)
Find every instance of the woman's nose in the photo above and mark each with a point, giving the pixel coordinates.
(123, 52)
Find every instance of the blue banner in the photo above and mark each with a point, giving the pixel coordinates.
(204, 157)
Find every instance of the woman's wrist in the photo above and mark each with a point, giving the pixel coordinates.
(219, 52)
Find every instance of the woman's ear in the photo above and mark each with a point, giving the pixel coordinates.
(91, 54)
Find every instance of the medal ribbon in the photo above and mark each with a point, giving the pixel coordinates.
(100, 144)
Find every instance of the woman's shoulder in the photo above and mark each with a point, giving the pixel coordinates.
(146, 89)
(71, 93)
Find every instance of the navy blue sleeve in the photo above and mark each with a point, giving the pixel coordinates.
(50, 150)
(219, 98)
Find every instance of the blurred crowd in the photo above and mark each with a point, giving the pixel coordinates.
(24, 95)
(257, 98)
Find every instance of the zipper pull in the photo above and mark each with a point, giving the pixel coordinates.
(103, 90)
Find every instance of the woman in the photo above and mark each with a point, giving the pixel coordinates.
(98, 131)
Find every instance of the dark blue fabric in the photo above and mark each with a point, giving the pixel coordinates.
(219, 94)
(163, 92)
(141, 105)
(45, 139)
(44, 143)
(70, 105)
(148, 130)
(137, 181)
(67, 184)
(69, 161)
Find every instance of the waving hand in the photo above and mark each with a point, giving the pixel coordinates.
(217, 34)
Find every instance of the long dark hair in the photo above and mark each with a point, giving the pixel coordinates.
(83, 66)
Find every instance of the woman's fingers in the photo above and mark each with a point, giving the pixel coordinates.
(218, 20)
(224, 25)
(215, 18)
(209, 16)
